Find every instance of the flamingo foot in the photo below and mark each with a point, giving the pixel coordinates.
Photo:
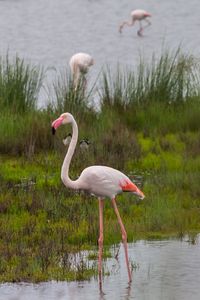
(140, 32)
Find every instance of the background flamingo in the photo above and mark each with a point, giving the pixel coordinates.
(79, 65)
(100, 181)
(137, 15)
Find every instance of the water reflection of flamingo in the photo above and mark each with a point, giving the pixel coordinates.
(137, 15)
(79, 65)
(100, 181)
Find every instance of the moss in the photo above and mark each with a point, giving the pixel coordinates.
(151, 162)
(172, 142)
(171, 161)
(146, 144)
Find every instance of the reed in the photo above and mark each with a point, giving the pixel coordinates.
(20, 84)
(69, 98)
(25, 133)
(171, 78)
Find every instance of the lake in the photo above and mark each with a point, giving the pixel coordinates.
(49, 32)
(167, 270)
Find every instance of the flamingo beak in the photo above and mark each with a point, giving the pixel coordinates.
(139, 193)
(56, 124)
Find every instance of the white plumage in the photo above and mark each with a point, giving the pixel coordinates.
(79, 65)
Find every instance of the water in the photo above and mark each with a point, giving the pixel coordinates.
(49, 32)
(165, 270)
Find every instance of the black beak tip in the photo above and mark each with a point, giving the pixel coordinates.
(53, 130)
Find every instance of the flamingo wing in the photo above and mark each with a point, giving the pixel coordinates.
(104, 181)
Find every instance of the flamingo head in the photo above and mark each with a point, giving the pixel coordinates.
(65, 118)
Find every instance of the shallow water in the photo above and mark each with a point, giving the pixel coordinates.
(167, 270)
(49, 32)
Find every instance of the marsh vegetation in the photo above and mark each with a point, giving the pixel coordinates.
(147, 126)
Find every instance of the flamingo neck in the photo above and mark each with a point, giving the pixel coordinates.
(66, 163)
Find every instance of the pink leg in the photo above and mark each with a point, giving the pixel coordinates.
(140, 30)
(100, 241)
(124, 237)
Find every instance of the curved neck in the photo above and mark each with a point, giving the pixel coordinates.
(66, 163)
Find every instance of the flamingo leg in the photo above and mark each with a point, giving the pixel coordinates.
(131, 23)
(100, 241)
(124, 237)
(148, 23)
(140, 29)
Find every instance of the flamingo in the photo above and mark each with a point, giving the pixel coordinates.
(100, 181)
(79, 65)
(137, 15)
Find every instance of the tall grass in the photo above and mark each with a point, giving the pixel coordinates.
(161, 95)
(69, 98)
(20, 84)
(171, 78)
(25, 134)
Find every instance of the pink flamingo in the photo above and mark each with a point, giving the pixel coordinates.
(100, 181)
(137, 15)
(79, 65)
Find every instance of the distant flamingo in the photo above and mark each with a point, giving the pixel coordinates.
(137, 15)
(100, 181)
(79, 65)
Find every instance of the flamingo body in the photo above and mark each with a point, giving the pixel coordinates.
(140, 14)
(103, 181)
(79, 65)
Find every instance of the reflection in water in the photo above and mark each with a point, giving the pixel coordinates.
(165, 270)
(126, 294)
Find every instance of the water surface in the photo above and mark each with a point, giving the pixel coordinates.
(167, 270)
